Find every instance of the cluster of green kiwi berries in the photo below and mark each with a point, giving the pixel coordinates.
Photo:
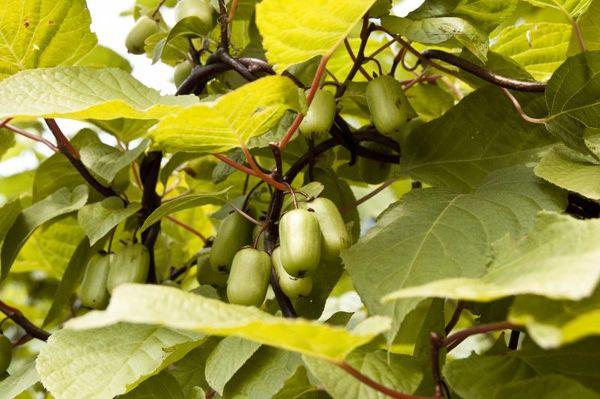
(312, 232)
(105, 271)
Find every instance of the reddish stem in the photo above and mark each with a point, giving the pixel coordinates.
(188, 228)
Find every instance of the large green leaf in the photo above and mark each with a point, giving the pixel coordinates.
(539, 47)
(160, 386)
(99, 218)
(397, 372)
(557, 259)
(439, 30)
(18, 381)
(589, 24)
(103, 363)
(433, 234)
(480, 134)
(546, 387)
(573, 99)
(489, 376)
(177, 309)
(8, 214)
(231, 120)
(227, 358)
(571, 8)
(190, 370)
(104, 57)
(84, 93)
(264, 374)
(43, 33)
(552, 323)
(106, 161)
(60, 203)
(182, 203)
(317, 27)
(571, 170)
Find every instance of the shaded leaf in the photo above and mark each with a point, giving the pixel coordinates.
(99, 218)
(227, 358)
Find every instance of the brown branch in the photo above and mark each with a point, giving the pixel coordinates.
(149, 173)
(460, 306)
(232, 9)
(18, 318)
(354, 60)
(67, 149)
(29, 135)
(453, 340)
(370, 195)
(188, 228)
(374, 384)
(519, 109)
(224, 24)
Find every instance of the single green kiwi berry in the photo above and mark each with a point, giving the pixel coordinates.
(300, 242)
(181, 72)
(334, 234)
(235, 232)
(200, 9)
(320, 115)
(5, 353)
(93, 291)
(372, 171)
(389, 107)
(144, 28)
(205, 275)
(293, 287)
(129, 265)
(249, 277)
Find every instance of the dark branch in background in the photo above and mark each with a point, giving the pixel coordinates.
(235, 65)
(224, 24)
(149, 172)
(513, 342)
(460, 306)
(360, 56)
(18, 318)
(474, 69)
(67, 149)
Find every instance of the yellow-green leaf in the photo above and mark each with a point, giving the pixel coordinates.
(84, 93)
(294, 31)
(234, 118)
(166, 306)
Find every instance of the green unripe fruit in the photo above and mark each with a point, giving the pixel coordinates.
(334, 235)
(206, 275)
(5, 353)
(181, 72)
(143, 29)
(130, 265)
(234, 233)
(293, 287)
(200, 9)
(93, 291)
(249, 277)
(372, 171)
(300, 239)
(388, 104)
(320, 115)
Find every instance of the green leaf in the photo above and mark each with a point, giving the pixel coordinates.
(557, 259)
(70, 279)
(312, 305)
(103, 57)
(184, 202)
(7, 141)
(190, 370)
(227, 358)
(539, 47)
(84, 93)
(231, 120)
(317, 27)
(187, 28)
(264, 374)
(43, 33)
(570, 8)
(489, 376)
(12, 386)
(571, 170)
(60, 203)
(106, 161)
(482, 133)
(160, 386)
(486, 13)
(589, 25)
(8, 214)
(126, 129)
(398, 372)
(103, 363)
(99, 218)
(177, 309)
(573, 98)
(546, 387)
(436, 233)
(429, 101)
(552, 323)
(440, 30)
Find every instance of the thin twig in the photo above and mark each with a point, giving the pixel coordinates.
(519, 109)
(188, 228)
(158, 8)
(232, 9)
(18, 318)
(374, 384)
(370, 195)
(578, 34)
(460, 306)
(354, 60)
(453, 340)
(29, 135)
